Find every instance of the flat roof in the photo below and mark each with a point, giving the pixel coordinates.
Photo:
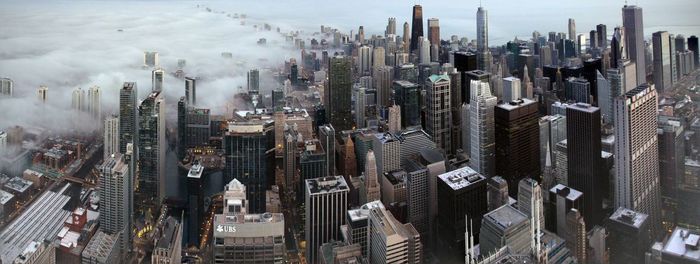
(461, 178)
(515, 104)
(683, 243)
(583, 107)
(505, 216)
(572, 194)
(169, 235)
(18, 184)
(100, 246)
(326, 184)
(628, 217)
(5, 197)
(249, 225)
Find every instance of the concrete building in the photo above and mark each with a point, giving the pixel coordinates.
(37, 253)
(530, 195)
(103, 248)
(497, 192)
(390, 241)
(680, 247)
(326, 206)
(372, 188)
(168, 242)
(481, 129)
(438, 114)
(561, 200)
(111, 136)
(636, 154)
(116, 206)
(505, 226)
(511, 89)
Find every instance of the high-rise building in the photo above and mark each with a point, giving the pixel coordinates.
(662, 60)
(529, 196)
(151, 59)
(407, 95)
(438, 116)
(383, 80)
(78, 102)
(338, 93)
(167, 245)
(461, 198)
(602, 36)
(390, 241)
(364, 60)
(111, 136)
(680, 247)
(406, 38)
(505, 226)
(94, 106)
(327, 138)
(577, 90)
(387, 148)
(151, 152)
(572, 29)
(693, 46)
(240, 236)
(482, 40)
(628, 236)
(128, 126)
(481, 129)
(312, 164)
(253, 80)
(390, 27)
(360, 105)
(605, 91)
(394, 119)
(116, 200)
(434, 38)
(249, 157)
(671, 136)
(636, 154)
(562, 199)
(378, 57)
(157, 78)
(497, 190)
(191, 91)
(585, 171)
(576, 235)
(617, 47)
(6, 87)
(417, 27)
(674, 63)
(511, 89)
(634, 37)
(42, 94)
(371, 179)
(424, 51)
(517, 142)
(326, 208)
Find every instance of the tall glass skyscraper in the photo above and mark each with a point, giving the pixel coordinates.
(416, 27)
(634, 37)
(127, 115)
(338, 93)
(152, 148)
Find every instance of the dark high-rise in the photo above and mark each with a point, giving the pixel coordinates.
(248, 150)
(190, 91)
(634, 39)
(693, 46)
(602, 36)
(517, 142)
(152, 146)
(617, 50)
(416, 27)
(628, 236)
(662, 60)
(407, 95)
(338, 93)
(671, 135)
(127, 115)
(584, 159)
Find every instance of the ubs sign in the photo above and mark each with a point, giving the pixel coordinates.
(225, 229)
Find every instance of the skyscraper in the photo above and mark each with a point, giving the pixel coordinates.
(434, 38)
(364, 60)
(78, 99)
(383, 78)
(6, 87)
(116, 200)
(111, 136)
(191, 91)
(481, 129)
(693, 46)
(128, 127)
(407, 95)
(505, 226)
(617, 47)
(326, 206)
(94, 106)
(634, 37)
(517, 142)
(326, 135)
(530, 195)
(497, 192)
(576, 235)
(438, 116)
(157, 77)
(394, 119)
(249, 157)
(391, 241)
(424, 51)
(417, 27)
(628, 236)
(662, 60)
(42, 94)
(482, 40)
(406, 38)
(511, 89)
(602, 36)
(572, 29)
(371, 179)
(461, 198)
(585, 171)
(253, 80)
(151, 153)
(360, 105)
(390, 27)
(636, 154)
(338, 93)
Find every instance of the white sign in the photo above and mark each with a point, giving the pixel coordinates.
(225, 229)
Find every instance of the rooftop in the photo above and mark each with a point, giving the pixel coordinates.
(170, 231)
(628, 217)
(570, 193)
(18, 184)
(515, 104)
(505, 216)
(5, 197)
(684, 244)
(196, 170)
(461, 178)
(439, 78)
(328, 184)
(249, 225)
(100, 247)
(583, 107)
